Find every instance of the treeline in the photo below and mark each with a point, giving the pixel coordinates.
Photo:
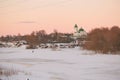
(100, 40)
(38, 37)
(104, 40)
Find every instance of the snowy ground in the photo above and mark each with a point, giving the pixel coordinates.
(65, 64)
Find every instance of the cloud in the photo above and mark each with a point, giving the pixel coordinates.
(27, 22)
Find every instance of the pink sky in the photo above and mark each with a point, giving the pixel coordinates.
(25, 16)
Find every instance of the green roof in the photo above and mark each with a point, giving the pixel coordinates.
(81, 29)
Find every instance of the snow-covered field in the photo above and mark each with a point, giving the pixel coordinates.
(64, 64)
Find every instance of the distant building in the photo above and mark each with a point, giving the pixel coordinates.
(79, 35)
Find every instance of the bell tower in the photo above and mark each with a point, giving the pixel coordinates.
(76, 28)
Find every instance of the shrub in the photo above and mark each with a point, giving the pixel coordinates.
(31, 47)
(104, 40)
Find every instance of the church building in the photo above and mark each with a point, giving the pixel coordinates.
(79, 35)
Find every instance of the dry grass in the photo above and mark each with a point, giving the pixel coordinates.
(7, 71)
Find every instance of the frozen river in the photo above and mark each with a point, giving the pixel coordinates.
(65, 64)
